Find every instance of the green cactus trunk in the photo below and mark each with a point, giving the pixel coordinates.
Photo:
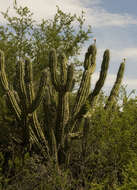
(62, 117)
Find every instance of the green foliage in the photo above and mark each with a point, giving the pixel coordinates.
(75, 140)
(13, 169)
(109, 162)
(23, 102)
(111, 148)
(130, 176)
(15, 36)
(60, 34)
(23, 36)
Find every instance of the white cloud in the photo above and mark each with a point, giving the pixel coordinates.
(91, 2)
(95, 15)
(100, 17)
(46, 8)
(126, 52)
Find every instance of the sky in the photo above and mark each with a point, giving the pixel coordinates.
(114, 25)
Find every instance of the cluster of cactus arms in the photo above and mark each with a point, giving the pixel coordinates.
(65, 125)
(22, 100)
(57, 83)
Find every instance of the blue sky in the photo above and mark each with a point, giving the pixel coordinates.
(114, 24)
(120, 6)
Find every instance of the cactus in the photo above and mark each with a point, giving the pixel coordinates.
(24, 103)
(90, 98)
(63, 86)
(62, 80)
(114, 92)
(60, 124)
(102, 77)
(89, 65)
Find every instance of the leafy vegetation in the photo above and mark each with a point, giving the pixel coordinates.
(61, 138)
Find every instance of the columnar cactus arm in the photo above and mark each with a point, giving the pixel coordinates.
(5, 85)
(37, 125)
(36, 102)
(102, 78)
(89, 65)
(33, 102)
(83, 92)
(63, 107)
(21, 79)
(3, 77)
(35, 139)
(13, 104)
(90, 57)
(62, 87)
(93, 95)
(63, 67)
(115, 89)
(81, 95)
(28, 79)
(70, 73)
(36, 129)
(20, 85)
(53, 68)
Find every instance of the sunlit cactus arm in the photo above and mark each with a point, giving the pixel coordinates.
(3, 77)
(90, 54)
(5, 85)
(42, 148)
(83, 92)
(115, 89)
(36, 102)
(93, 95)
(89, 65)
(14, 105)
(102, 78)
(35, 125)
(81, 95)
(53, 68)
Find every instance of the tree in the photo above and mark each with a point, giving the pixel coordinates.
(22, 36)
